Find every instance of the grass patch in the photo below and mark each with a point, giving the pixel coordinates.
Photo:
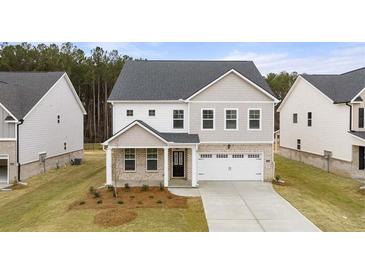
(44, 204)
(332, 202)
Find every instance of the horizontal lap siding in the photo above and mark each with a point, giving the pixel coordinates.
(7, 130)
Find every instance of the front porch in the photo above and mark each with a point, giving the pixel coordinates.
(153, 166)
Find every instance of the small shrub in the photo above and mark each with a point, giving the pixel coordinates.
(159, 202)
(96, 194)
(151, 196)
(161, 187)
(91, 189)
(120, 202)
(99, 201)
(110, 188)
(277, 178)
(127, 187)
(82, 203)
(145, 188)
(132, 196)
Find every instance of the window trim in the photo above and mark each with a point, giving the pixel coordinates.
(135, 160)
(225, 120)
(295, 121)
(151, 170)
(179, 119)
(126, 112)
(201, 120)
(248, 120)
(154, 113)
(309, 119)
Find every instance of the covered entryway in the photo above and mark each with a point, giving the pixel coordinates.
(231, 167)
(4, 169)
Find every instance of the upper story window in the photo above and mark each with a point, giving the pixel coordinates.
(309, 116)
(208, 119)
(295, 118)
(58, 119)
(130, 159)
(151, 159)
(231, 119)
(361, 117)
(299, 144)
(129, 112)
(152, 112)
(178, 118)
(254, 119)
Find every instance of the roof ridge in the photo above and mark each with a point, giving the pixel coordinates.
(352, 71)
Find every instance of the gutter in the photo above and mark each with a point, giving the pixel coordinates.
(21, 121)
(350, 126)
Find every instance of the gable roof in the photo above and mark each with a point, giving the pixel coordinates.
(20, 91)
(175, 80)
(167, 137)
(340, 88)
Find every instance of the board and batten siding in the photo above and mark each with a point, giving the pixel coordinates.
(40, 131)
(223, 94)
(330, 123)
(7, 130)
(162, 121)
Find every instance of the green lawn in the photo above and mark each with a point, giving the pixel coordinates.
(43, 205)
(331, 202)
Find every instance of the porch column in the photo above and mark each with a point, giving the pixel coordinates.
(166, 166)
(194, 170)
(109, 179)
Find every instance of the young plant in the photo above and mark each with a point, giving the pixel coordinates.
(120, 202)
(277, 178)
(91, 189)
(96, 194)
(82, 203)
(145, 188)
(132, 196)
(161, 187)
(127, 187)
(159, 202)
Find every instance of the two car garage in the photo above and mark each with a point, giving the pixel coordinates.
(230, 167)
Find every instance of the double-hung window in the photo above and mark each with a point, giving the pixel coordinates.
(309, 116)
(151, 112)
(231, 119)
(129, 112)
(208, 119)
(130, 159)
(178, 118)
(151, 159)
(361, 117)
(254, 119)
(295, 118)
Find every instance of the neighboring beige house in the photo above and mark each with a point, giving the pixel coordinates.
(41, 123)
(181, 122)
(322, 122)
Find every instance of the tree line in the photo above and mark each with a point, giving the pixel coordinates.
(93, 76)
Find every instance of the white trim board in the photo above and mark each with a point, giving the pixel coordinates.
(239, 75)
(353, 99)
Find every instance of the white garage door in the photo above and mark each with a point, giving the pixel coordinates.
(223, 166)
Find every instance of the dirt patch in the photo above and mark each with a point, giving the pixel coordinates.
(114, 217)
(131, 198)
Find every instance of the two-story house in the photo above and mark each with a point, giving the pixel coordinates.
(41, 123)
(322, 122)
(181, 122)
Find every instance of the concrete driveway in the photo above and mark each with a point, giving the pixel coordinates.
(249, 206)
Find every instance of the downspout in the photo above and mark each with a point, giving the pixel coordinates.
(347, 104)
(17, 146)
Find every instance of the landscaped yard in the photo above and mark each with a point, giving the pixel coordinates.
(60, 201)
(331, 202)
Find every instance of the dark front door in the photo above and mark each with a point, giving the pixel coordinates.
(361, 158)
(178, 164)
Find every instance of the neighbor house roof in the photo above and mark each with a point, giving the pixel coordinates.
(360, 134)
(174, 80)
(170, 137)
(21, 91)
(340, 88)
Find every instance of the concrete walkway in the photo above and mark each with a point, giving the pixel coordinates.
(250, 206)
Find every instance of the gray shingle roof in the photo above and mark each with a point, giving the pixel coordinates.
(341, 88)
(20, 91)
(174, 80)
(183, 138)
(360, 134)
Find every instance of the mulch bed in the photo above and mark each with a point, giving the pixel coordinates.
(118, 210)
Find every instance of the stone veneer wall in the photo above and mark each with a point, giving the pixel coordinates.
(267, 149)
(34, 168)
(339, 167)
(9, 148)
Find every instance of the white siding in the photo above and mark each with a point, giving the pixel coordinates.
(355, 112)
(330, 123)
(7, 130)
(40, 130)
(162, 121)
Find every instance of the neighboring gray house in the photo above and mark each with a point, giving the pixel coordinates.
(181, 122)
(322, 122)
(41, 123)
